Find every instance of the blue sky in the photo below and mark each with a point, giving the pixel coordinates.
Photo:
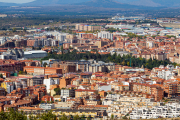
(16, 1)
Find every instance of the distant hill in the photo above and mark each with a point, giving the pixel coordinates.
(102, 3)
(111, 4)
(8, 4)
(152, 3)
(53, 2)
(91, 3)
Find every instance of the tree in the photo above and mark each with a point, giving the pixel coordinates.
(45, 64)
(58, 91)
(89, 117)
(20, 72)
(112, 116)
(83, 117)
(124, 60)
(125, 117)
(14, 29)
(42, 102)
(3, 115)
(48, 116)
(15, 115)
(25, 72)
(63, 117)
(1, 76)
(62, 49)
(76, 117)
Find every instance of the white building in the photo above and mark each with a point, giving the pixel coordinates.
(105, 34)
(35, 54)
(47, 106)
(120, 26)
(49, 82)
(59, 36)
(2, 40)
(68, 92)
(8, 57)
(171, 110)
(165, 74)
(104, 88)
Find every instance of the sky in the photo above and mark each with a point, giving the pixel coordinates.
(16, 1)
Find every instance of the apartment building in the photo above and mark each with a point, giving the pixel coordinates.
(170, 110)
(32, 43)
(2, 91)
(83, 93)
(104, 34)
(171, 89)
(35, 81)
(65, 66)
(68, 92)
(42, 70)
(50, 81)
(64, 81)
(152, 90)
(101, 43)
(124, 105)
(11, 66)
(101, 67)
(46, 106)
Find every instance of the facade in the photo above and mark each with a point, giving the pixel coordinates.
(104, 34)
(35, 54)
(47, 98)
(46, 106)
(35, 81)
(101, 67)
(49, 82)
(82, 27)
(42, 70)
(167, 111)
(150, 90)
(68, 92)
(2, 91)
(83, 93)
(65, 66)
(32, 43)
(64, 81)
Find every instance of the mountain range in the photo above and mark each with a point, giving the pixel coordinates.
(102, 3)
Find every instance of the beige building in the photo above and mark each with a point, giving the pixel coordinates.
(124, 105)
(83, 93)
(101, 67)
(64, 105)
(101, 43)
(82, 27)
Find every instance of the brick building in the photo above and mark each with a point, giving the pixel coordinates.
(42, 70)
(32, 43)
(152, 90)
(11, 66)
(47, 98)
(65, 66)
(64, 82)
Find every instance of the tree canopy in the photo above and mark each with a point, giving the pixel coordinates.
(118, 59)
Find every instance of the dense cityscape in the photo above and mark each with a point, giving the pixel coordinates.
(121, 67)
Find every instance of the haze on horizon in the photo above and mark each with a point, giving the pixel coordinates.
(16, 1)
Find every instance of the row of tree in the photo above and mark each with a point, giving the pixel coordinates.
(16, 115)
(125, 60)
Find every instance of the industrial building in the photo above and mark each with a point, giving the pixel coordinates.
(35, 54)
